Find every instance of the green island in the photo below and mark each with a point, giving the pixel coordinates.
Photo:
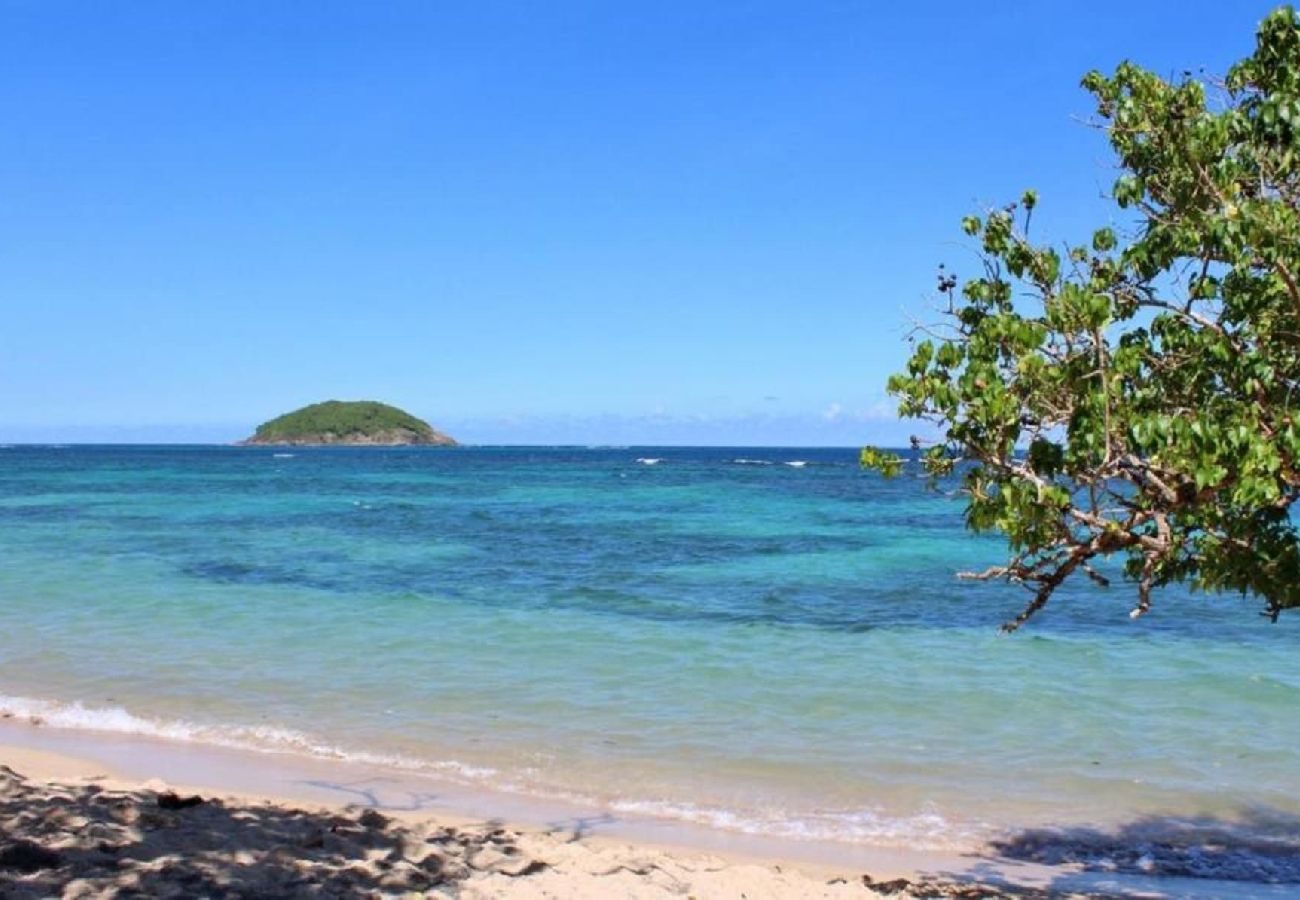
(349, 423)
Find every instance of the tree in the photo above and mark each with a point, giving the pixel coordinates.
(1138, 397)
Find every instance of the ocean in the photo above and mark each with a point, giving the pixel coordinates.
(763, 640)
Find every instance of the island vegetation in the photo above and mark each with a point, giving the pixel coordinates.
(357, 423)
(1137, 394)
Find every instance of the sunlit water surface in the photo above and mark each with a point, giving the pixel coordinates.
(767, 640)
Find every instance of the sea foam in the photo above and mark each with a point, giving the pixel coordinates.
(257, 738)
(927, 831)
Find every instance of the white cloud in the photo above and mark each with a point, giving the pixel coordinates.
(833, 412)
(884, 408)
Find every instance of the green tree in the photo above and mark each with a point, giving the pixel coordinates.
(1138, 396)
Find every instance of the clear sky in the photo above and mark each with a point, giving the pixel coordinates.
(657, 222)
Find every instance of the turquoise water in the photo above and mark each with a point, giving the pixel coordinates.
(718, 636)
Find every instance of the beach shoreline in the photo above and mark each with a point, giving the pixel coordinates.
(93, 817)
(578, 852)
(62, 754)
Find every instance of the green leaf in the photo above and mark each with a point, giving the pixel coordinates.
(1144, 399)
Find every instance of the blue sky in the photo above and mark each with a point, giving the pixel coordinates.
(571, 222)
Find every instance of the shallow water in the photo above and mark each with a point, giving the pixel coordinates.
(775, 648)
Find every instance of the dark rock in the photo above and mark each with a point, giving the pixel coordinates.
(24, 856)
(433, 864)
(373, 819)
(171, 800)
(896, 886)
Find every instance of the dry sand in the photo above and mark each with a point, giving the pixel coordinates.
(72, 833)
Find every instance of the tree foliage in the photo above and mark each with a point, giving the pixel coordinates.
(1138, 395)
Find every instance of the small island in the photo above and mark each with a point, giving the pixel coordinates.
(358, 423)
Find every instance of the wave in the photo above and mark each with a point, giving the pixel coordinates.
(649, 460)
(258, 738)
(797, 463)
(926, 831)
(752, 462)
(282, 456)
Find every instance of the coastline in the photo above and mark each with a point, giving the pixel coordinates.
(557, 849)
(369, 837)
(681, 656)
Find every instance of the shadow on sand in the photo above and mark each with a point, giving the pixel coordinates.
(1261, 845)
(82, 840)
(1254, 854)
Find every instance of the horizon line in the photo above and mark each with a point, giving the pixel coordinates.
(459, 446)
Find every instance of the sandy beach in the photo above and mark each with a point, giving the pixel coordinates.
(73, 832)
(87, 825)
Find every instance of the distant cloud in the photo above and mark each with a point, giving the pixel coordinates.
(833, 412)
(884, 408)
